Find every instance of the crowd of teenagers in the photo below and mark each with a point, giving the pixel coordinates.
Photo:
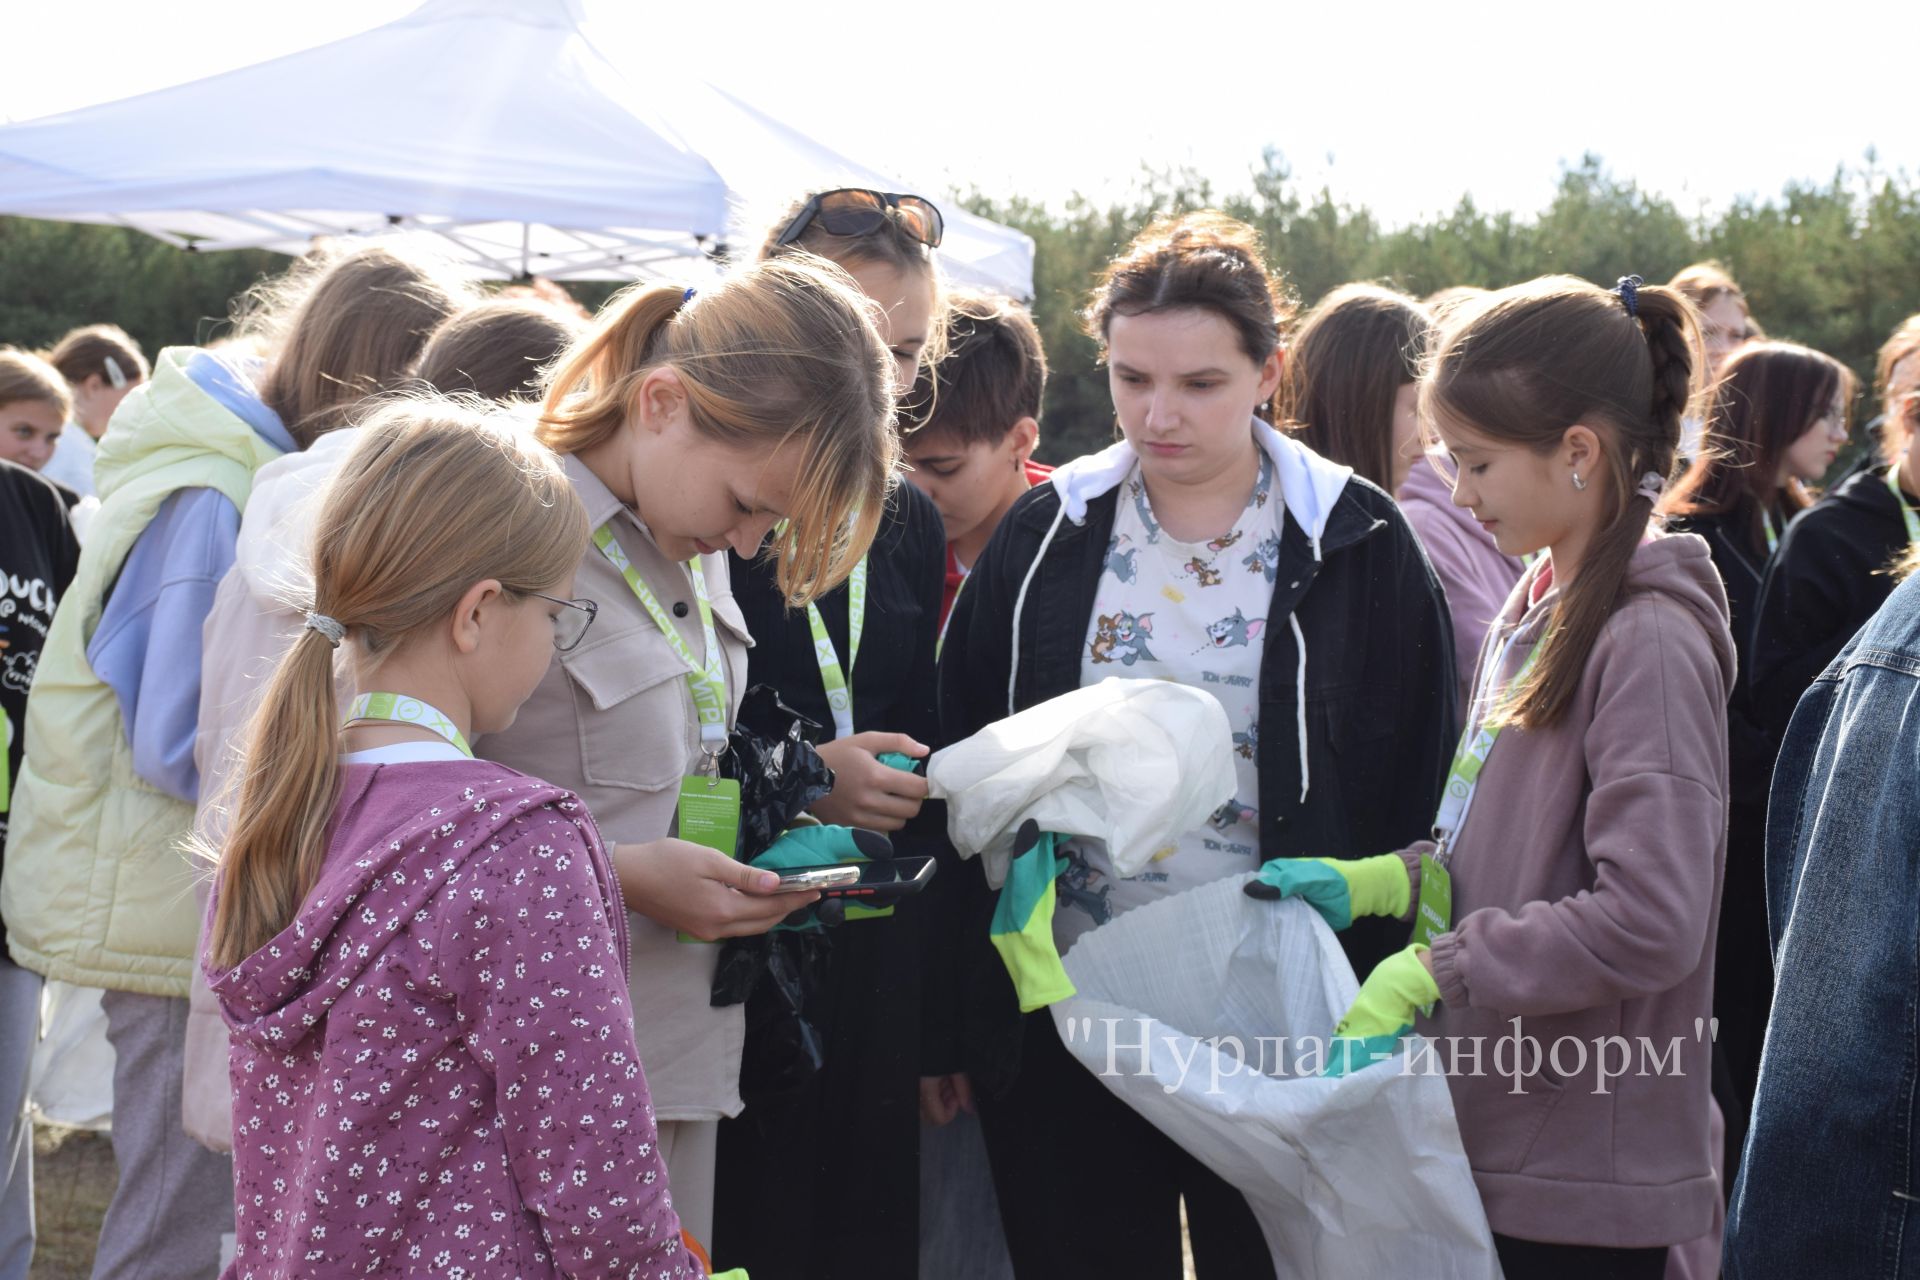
(371, 755)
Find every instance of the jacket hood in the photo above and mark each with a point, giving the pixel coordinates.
(1310, 485)
(1678, 566)
(171, 419)
(279, 996)
(276, 531)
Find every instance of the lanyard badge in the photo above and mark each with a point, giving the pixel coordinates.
(1434, 915)
(838, 680)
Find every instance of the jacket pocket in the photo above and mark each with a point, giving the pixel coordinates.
(633, 709)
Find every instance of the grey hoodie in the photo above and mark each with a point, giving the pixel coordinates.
(1586, 882)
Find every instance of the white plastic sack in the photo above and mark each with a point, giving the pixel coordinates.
(1359, 1176)
(1136, 763)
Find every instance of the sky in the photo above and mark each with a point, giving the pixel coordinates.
(1400, 107)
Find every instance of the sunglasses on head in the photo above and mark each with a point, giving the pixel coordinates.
(855, 211)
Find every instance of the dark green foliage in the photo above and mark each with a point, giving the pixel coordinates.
(1834, 265)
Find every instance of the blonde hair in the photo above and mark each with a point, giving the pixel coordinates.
(1902, 345)
(776, 351)
(435, 496)
(26, 376)
(345, 324)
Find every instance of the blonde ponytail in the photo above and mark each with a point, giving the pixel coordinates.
(777, 351)
(435, 496)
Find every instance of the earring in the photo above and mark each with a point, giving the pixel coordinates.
(1578, 483)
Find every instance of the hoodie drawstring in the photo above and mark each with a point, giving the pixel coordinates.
(1020, 601)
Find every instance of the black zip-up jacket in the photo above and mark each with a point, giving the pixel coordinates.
(1380, 712)
(1822, 584)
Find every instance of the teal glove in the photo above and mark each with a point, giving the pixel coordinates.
(898, 760)
(1338, 888)
(1381, 1013)
(819, 846)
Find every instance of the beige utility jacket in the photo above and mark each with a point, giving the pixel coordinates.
(614, 721)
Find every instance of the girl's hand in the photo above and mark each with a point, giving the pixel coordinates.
(867, 793)
(701, 891)
(944, 1097)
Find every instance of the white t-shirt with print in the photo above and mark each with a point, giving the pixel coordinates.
(1194, 613)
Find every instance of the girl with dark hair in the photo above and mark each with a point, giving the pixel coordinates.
(1831, 572)
(1583, 834)
(1208, 548)
(1351, 390)
(1777, 421)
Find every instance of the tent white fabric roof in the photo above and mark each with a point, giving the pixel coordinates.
(495, 125)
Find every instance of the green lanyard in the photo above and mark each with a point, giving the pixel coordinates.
(706, 680)
(837, 680)
(401, 709)
(1433, 914)
(1773, 532)
(1913, 521)
(1470, 757)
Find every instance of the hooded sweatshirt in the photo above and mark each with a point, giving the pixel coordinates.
(1477, 575)
(1586, 893)
(434, 1068)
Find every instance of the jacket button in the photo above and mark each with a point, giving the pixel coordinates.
(680, 608)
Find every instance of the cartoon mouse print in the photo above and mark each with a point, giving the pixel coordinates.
(1122, 638)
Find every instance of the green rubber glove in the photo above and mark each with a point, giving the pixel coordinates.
(898, 760)
(1381, 1013)
(1022, 928)
(1340, 889)
(818, 845)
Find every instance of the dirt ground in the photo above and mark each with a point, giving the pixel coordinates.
(73, 1178)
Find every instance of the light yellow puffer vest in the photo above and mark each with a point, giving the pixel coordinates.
(98, 889)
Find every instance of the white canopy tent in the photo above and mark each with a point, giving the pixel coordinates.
(497, 126)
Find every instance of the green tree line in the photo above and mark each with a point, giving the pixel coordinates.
(1835, 265)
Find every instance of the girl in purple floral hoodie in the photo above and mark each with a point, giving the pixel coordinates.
(422, 956)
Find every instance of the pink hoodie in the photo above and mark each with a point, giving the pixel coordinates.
(1476, 574)
(1586, 882)
(433, 1066)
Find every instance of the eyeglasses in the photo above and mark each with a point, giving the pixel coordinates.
(571, 623)
(856, 211)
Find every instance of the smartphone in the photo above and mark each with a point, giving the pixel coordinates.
(884, 880)
(802, 879)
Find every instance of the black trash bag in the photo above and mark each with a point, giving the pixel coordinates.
(778, 770)
(780, 774)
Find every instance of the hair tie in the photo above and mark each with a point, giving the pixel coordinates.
(114, 375)
(1652, 485)
(1628, 291)
(687, 297)
(329, 628)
